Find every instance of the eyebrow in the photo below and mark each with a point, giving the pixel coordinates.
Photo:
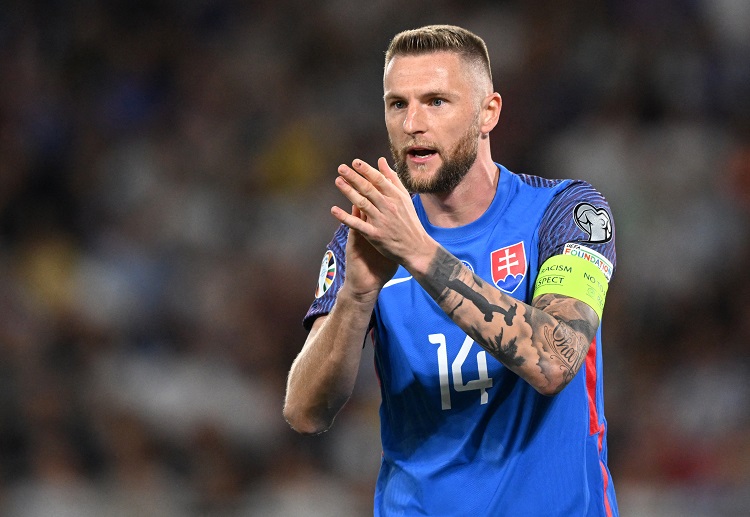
(428, 95)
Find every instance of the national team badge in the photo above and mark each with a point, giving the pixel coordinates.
(508, 266)
(327, 274)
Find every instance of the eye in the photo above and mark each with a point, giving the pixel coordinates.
(398, 105)
(438, 102)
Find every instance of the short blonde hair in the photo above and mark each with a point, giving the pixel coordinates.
(441, 38)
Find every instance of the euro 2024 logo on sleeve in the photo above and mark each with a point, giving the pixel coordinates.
(508, 266)
(327, 273)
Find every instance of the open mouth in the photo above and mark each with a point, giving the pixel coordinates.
(420, 153)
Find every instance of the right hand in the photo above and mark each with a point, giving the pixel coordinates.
(367, 270)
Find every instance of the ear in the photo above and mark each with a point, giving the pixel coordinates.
(491, 107)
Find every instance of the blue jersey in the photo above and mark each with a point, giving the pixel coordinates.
(462, 434)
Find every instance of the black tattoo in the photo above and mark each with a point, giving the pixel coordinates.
(481, 302)
(443, 279)
(566, 346)
(441, 270)
(507, 354)
(558, 330)
(576, 314)
(444, 273)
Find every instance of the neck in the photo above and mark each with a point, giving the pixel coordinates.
(468, 201)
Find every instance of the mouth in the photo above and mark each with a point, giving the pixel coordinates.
(420, 154)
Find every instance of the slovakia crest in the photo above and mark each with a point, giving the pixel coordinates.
(508, 266)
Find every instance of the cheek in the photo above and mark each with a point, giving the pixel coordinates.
(457, 125)
(394, 129)
(393, 119)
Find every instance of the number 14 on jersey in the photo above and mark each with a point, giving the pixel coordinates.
(481, 383)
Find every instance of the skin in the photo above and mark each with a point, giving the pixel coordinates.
(432, 102)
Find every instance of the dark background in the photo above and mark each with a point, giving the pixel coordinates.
(166, 170)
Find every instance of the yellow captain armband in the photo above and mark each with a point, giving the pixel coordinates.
(573, 276)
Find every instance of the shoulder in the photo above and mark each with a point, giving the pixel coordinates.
(539, 182)
(578, 214)
(582, 204)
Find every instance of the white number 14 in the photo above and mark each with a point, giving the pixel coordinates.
(483, 382)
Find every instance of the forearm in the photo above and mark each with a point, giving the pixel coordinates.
(323, 375)
(544, 345)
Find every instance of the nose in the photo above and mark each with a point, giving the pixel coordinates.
(414, 121)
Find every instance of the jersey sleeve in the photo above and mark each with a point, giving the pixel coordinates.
(331, 277)
(579, 218)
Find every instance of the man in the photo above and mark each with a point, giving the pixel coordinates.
(484, 293)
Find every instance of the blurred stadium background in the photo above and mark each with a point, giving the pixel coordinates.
(166, 169)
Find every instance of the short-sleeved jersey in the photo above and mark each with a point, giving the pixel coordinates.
(462, 434)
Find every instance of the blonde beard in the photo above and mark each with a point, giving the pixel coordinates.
(454, 168)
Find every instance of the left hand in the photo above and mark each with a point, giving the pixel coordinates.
(389, 221)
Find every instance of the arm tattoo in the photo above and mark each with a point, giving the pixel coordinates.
(481, 302)
(569, 340)
(444, 272)
(508, 353)
(558, 331)
(443, 279)
(567, 347)
(577, 315)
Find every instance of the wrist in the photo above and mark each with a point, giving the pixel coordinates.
(419, 261)
(358, 299)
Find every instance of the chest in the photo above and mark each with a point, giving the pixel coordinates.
(419, 348)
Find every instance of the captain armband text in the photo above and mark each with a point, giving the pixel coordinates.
(575, 277)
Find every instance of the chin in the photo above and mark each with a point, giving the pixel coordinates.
(424, 170)
(422, 176)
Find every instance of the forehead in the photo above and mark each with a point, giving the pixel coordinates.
(436, 71)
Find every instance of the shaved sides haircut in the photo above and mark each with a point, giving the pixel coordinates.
(442, 38)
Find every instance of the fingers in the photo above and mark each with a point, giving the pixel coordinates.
(368, 189)
(353, 220)
(361, 177)
(390, 174)
(372, 183)
(360, 202)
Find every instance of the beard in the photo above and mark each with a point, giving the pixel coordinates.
(455, 167)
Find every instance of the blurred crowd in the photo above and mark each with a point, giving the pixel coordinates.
(166, 170)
